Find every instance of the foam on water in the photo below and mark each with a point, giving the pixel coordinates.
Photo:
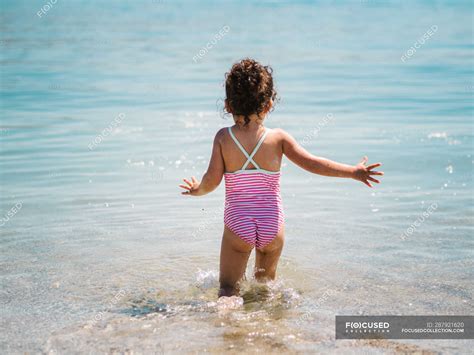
(153, 313)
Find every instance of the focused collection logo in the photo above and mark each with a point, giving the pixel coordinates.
(367, 327)
(404, 327)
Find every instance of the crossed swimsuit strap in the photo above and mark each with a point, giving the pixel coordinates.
(249, 157)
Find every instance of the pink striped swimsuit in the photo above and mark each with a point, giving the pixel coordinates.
(253, 207)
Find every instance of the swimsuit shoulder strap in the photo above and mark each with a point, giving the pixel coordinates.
(255, 150)
(257, 147)
(237, 142)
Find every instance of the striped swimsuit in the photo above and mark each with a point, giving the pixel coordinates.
(253, 207)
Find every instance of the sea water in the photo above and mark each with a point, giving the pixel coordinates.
(107, 105)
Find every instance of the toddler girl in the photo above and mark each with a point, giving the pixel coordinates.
(248, 155)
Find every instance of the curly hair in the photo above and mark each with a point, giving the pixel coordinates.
(249, 88)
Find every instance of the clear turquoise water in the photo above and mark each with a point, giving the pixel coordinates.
(106, 256)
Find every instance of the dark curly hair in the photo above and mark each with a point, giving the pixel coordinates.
(249, 88)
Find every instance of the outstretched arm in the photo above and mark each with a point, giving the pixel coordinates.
(213, 176)
(322, 166)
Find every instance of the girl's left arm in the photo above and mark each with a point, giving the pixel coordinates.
(322, 166)
(213, 176)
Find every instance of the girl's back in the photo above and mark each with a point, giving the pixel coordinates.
(268, 156)
(253, 208)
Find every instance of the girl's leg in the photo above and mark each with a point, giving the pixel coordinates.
(233, 262)
(266, 258)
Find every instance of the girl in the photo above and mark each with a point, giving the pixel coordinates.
(249, 156)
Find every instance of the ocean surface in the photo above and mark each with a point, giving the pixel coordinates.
(107, 105)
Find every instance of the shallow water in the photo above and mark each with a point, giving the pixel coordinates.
(105, 256)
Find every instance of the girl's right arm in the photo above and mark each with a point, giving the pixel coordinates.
(213, 176)
(322, 166)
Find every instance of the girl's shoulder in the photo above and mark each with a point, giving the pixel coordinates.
(279, 133)
(221, 135)
(282, 138)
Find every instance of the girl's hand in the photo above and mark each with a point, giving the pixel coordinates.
(191, 187)
(363, 173)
